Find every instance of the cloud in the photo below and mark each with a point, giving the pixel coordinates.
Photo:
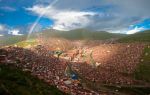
(2, 28)
(14, 32)
(64, 19)
(7, 8)
(5, 30)
(136, 29)
(103, 15)
(130, 31)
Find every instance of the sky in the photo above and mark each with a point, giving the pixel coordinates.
(18, 17)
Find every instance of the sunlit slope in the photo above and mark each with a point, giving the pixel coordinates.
(21, 40)
(26, 43)
(81, 34)
(137, 37)
(9, 40)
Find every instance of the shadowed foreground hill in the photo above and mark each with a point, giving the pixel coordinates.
(137, 37)
(13, 81)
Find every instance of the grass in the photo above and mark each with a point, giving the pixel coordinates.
(129, 90)
(137, 37)
(9, 40)
(13, 81)
(81, 34)
(78, 34)
(143, 70)
(26, 43)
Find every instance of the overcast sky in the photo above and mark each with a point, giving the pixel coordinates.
(117, 16)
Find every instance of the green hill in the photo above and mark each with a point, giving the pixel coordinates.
(80, 34)
(137, 37)
(8, 40)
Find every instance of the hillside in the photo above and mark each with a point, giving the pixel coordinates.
(23, 82)
(143, 69)
(8, 40)
(137, 37)
(78, 34)
(81, 34)
(116, 63)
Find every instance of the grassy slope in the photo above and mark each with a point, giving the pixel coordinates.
(129, 90)
(27, 43)
(80, 34)
(138, 37)
(8, 40)
(15, 82)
